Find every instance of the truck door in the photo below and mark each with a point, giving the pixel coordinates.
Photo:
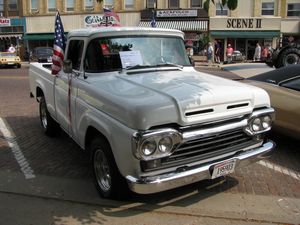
(66, 86)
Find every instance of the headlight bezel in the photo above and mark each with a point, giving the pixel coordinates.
(157, 136)
(258, 119)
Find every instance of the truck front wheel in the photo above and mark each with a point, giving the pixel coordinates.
(109, 182)
(50, 126)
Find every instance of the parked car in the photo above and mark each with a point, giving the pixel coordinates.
(237, 56)
(42, 54)
(283, 86)
(9, 59)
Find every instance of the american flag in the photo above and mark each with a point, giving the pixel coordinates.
(59, 45)
(109, 13)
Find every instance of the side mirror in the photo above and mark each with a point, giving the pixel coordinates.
(67, 66)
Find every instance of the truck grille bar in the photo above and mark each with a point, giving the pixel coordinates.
(227, 142)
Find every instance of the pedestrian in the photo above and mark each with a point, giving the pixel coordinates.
(257, 53)
(264, 53)
(229, 51)
(11, 49)
(210, 53)
(217, 52)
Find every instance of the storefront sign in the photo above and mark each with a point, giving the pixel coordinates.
(176, 13)
(4, 22)
(100, 21)
(244, 23)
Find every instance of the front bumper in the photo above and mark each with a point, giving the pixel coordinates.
(148, 185)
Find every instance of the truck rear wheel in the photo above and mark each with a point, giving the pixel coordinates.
(289, 56)
(108, 180)
(50, 126)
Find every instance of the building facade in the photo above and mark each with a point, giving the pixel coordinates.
(267, 22)
(12, 24)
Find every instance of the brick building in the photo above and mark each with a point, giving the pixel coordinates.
(267, 22)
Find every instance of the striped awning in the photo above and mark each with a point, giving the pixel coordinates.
(4, 36)
(196, 25)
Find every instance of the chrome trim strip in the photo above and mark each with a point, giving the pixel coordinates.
(162, 182)
(190, 135)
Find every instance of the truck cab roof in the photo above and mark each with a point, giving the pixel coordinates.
(111, 31)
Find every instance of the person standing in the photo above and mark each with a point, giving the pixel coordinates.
(210, 53)
(229, 51)
(257, 53)
(217, 52)
(264, 53)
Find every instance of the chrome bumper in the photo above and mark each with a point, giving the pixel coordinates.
(148, 185)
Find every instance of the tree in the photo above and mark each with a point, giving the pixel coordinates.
(99, 1)
(231, 4)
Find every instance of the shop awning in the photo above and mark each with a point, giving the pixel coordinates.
(245, 34)
(196, 25)
(32, 37)
(4, 36)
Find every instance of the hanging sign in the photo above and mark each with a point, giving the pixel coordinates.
(4, 22)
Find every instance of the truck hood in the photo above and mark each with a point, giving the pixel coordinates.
(146, 99)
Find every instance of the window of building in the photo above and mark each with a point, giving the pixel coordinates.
(151, 4)
(1, 6)
(34, 5)
(13, 5)
(89, 5)
(69, 5)
(109, 3)
(51, 6)
(267, 9)
(173, 3)
(293, 9)
(196, 3)
(129, 4)
(221, 10)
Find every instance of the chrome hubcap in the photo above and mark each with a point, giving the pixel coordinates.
(102, 171)
(44, 116)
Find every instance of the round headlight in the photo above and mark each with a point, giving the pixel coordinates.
(266, 122)
(256, 124)
(165, 144)
(148, 147)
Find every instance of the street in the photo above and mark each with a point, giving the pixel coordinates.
(49, 181)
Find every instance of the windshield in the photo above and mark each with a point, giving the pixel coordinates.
(8, 55)
(107, 54)
(44, 51)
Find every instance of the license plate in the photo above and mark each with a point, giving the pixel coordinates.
(10, 63)
(223, 168)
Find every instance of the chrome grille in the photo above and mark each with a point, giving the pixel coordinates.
(205, 148)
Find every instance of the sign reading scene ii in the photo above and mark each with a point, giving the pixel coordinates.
(244, 23)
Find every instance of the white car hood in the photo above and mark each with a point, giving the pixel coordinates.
(146, 99)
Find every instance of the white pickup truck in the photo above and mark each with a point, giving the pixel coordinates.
(131, 98)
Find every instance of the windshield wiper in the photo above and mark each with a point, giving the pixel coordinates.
(170, 64)
(137, 67)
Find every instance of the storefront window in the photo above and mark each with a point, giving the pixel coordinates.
(173, 3)
(70, 5)
(267, 9)
(151, 4)
(293, 9)
(196, 3)
(34, 4)
(129, 4)
(51, 6)
(221, 10)
(13, 5)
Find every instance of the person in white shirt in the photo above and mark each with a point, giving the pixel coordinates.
(257, 53)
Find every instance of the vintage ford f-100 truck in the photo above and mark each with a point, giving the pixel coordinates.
(131, 98)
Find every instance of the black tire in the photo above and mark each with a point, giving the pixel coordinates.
(108, 180)
(50, 126)
(289, 56)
